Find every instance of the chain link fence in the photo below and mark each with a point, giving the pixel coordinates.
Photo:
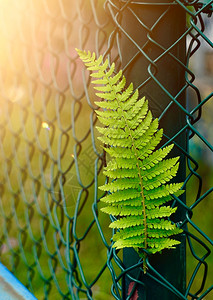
(53, 237)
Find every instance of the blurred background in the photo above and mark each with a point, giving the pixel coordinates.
(52, 236)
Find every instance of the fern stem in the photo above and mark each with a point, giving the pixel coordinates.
(139, 175)
(142, 195)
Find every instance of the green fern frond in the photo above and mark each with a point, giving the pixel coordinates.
(139, 174)
(139, 231)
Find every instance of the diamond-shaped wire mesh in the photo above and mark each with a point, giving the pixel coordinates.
(53, 237)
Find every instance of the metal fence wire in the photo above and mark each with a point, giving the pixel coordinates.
(53, 236)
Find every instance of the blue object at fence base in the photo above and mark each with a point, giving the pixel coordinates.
(11, 288)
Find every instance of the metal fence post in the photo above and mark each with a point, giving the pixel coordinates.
(147, 31)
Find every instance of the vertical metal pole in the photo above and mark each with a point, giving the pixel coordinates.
(167, 24)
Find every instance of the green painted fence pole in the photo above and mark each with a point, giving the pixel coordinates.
(146, 30)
